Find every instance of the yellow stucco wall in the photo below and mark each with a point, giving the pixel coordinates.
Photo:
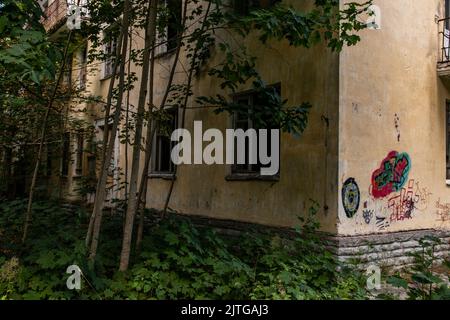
(308, 165)
(391, 99)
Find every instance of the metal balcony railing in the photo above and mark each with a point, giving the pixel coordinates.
(444, 40)
(55, 13)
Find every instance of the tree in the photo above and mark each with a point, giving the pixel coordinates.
(28, 56)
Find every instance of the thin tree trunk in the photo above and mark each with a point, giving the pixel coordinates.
(185, 102)
(41, 143)
(127, 131)
(142, 195)
(101, 187)
(151, 133)
(106, 130)
(150, 34)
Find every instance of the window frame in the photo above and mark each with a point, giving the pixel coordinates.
(109, 48)
(83, 61)
(79, 154)
(245, 175)
(156, 159)
(66, 155)
(163, 41)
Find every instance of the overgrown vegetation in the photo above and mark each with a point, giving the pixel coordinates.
(429, 277)
(178, 261)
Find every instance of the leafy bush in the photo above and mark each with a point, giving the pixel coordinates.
(178, 261)
(421, 282)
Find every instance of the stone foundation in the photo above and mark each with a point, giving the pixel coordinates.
(389, 249)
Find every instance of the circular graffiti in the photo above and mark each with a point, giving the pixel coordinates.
(350, 197)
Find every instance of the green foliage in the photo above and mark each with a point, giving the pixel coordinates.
(421, 281)
(178, 261)
(38, 268)
(325, 22)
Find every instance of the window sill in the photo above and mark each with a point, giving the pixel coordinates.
(162, 176)
(251, 177)
(447, 182)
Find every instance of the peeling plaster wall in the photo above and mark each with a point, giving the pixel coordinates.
(305, 75)
(391, 99)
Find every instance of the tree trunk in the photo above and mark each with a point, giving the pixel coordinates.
(151, 129)
(186, 99)
(101, 187)
(150, 35)
(151, 133)
(105, 132)
(41, 143)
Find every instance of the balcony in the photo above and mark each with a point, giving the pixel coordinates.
(55, 15)
(443, 66)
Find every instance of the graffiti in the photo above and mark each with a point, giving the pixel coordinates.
(382, 223)
(443, 211)
(397, 126)
(350, 197)
(422, 197)
(392, 174)
(403, 204)
(367, 215)
(411, 198)
(400, 206)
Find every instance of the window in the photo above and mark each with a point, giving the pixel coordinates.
(92, 166)
(67, 79)
(110, 53)
(100, 125)
(448, 141)
(65, 155)
(243, 120)
(447, 14)
(162, 161)
(243, 7)
(79, 159)
(83, 67)
(169, 37)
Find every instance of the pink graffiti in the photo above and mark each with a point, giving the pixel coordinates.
(392, 174)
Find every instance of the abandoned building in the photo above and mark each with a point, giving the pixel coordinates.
(375, 155)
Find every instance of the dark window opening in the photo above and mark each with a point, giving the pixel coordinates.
(110, 52)
(101, 146)
(79, 159)
(447, 14)
(67, 80)
(174, 23)
(92, 166)
(83, 67)
(65, 155)
(163, 145)
(243, 120)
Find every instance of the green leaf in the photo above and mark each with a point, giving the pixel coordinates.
(398, 282)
